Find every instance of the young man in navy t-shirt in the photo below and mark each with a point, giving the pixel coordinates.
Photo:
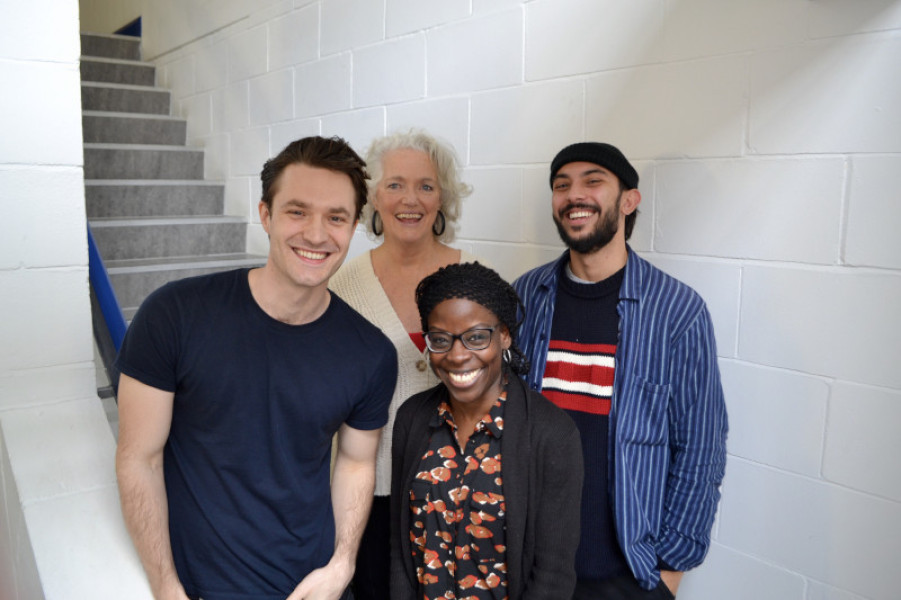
(232, 388)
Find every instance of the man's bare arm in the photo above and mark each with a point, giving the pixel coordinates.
(145, 416)
(353, 484)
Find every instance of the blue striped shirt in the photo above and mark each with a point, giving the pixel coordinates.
(667, 425)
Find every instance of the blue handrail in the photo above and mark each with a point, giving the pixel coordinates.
(106, 296)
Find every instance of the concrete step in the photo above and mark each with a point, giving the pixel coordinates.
(111, 46)
(153, 237)
(130, 128)
(117, 97)
(153, 198)
(129, 161)
(133, 280)
(114, 70)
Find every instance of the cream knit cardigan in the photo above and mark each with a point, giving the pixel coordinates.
(356, 283)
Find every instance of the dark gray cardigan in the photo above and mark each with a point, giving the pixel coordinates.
(542, 472)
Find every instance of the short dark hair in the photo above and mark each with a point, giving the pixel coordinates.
(332, 153)
(477, 283)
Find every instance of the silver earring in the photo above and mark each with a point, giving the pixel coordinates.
(508, 356)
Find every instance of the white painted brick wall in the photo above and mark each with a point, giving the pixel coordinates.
(372, 87)
(216, 161)
(829, 323)
(698, 28)
(61, 531)
(768, 138)
(833, 96)
(727, 574)
(38, 88)
(839, 17)
(237, 191)
(525, 124)
(874, 212)
(446, 118)
(55, 242)
(358, 127)
(863, 430)
(178, 77)
(812, 528)
(294, 38)
(231, 107)
(490, 58)
(787, 408)
(560, 42)
(680, 109)
(247, 54)
(735, 208)
(249, 150)
(347, 24)
(323, 86)
(40, 30)
(271, 98)
(60, 297)
(821, 591)
(496, 198)
(198, 111)
(407, 16)
(211, 66)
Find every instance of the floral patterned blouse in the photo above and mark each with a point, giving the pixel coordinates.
(457, 505)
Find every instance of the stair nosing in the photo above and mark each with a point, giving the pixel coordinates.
(127, 86)
(107, 146)
(114, 36)
(114, 267)
(113, 222)
(160, 182)
(131, 115)
(121, 61)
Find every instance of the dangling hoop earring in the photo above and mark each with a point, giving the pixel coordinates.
(508, 356)
(436, 229)
(377, 228)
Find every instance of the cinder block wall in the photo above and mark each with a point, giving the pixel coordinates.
(61, 532)
(768, 137)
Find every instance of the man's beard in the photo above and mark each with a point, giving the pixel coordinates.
(604, 231)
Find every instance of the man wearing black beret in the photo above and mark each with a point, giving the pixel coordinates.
(629, 353)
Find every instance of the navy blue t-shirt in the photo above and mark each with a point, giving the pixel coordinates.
(257, 402)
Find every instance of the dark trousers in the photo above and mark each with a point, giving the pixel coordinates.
(620, 588)
(372, 577)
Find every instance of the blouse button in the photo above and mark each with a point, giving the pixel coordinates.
(420, 365)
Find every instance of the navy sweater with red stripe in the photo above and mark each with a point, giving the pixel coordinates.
(578, 377)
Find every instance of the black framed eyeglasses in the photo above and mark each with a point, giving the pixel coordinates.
(477, 338)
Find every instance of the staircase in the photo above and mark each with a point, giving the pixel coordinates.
(153, 216)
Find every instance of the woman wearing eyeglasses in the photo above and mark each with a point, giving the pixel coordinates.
(486, 474)
(415, 196)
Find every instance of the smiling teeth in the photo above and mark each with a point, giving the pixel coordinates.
(312, 255)
(409, 216)
(463, 378)
(580, 214)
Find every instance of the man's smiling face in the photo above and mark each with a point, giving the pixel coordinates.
(586, 206)
(310, 224)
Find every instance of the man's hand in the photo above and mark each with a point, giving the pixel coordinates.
(325, 583)
(671, 580)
